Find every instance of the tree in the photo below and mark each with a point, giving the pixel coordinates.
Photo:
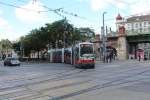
(58, 31)
(52, 34)
(87, 34)
(6, 45)
(76, 36)
(16, 46)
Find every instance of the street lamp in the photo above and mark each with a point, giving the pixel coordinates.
(103, 38)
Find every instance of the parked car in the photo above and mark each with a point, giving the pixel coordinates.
(11, 62)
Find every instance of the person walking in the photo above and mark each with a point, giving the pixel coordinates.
(139, 57)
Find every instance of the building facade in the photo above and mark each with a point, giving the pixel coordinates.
(138, 24)
(136, 34)
(131, 39)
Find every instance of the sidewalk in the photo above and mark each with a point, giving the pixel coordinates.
(128, 61)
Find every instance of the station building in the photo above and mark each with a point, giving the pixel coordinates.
(132, 37)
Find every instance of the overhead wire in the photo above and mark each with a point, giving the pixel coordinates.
(58, 11)
(6, 4)
(12, 5)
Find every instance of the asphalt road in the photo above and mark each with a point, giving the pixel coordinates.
(119, 80)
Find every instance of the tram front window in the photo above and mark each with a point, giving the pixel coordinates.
(86, 50)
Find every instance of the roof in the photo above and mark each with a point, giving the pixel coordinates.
(139, 18)
(118, 17)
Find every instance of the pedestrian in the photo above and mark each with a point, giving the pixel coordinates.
(139, 57)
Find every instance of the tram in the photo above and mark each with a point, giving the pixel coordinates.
(80, 55)
(83, 55)
(56, 55)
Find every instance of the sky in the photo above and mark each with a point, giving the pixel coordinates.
(19, 17)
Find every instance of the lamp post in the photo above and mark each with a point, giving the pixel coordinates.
(103, 38)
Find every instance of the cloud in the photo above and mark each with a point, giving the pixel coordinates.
(9, 34)
(133, 7)
(118, 4)
(102, 4)
(31, 12)
(143, 6)
(98, 4)
(6, 30)
(4, 24)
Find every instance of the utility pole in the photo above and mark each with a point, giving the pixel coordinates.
(64, 38)
(65, 32)
(103, 38)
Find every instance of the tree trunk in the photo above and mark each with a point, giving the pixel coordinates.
(38, 54)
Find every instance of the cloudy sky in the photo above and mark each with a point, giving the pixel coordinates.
(19, 17)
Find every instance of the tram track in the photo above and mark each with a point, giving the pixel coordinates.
(60, 76)
(78, 72)
(48, 79)
(105, 76)
(55, 74)
(116, 82)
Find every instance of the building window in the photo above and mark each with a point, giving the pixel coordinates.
(129, 28)
(145, 44)
(132, 25)
(128, 25)
(140, 25)
(145, 24)
(136, 25)
(148, 29)
(141, 29)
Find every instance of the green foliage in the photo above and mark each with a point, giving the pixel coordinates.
(5, 45)
(86, 33)
(50, 35)
(16, 46)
